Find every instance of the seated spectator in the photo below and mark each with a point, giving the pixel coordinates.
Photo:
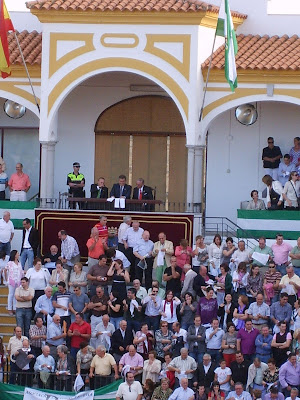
(290, 192)
(65, 368)
(239, 369)
(281, 343)
(163, 392)
(50, 258)
(241, 254)
(79, 331)
(162, 252)
(255, 283)
(255, 374)
(215, 252)
(263, 344)
(78, 278)
(271, 284)
(101, 367)
(285, 168)
(37, 336)
(271, 375)
(183, 254)
(155, 285)
(144, 341)
(151, 368)
(238, 393)
(223, 376)
(274, 193)
(200, 393)
(116, 309)
(246, 340)
(183, 392)
(207, 307)
(289, 375)
(200, 253)
(214, 337)
(121, 339)
(78, 302)
(188, 280)
(84, 359)
(255, 203)
(98, 275)
(188, 311)
(216, 393)
(163, 340)
(141, 292)
(224, 283)
(295, 257)
(99, 190)
(172, 277)
(103, 332)
(130, 389)
(206, 372)
(225, 312)
(280, 311)
(120, 277)
(290, 284)
(240, 279)
(153, 309)
(240, 313)
(44, 363)
(183, 364)
(131, 360)
(168, 308)
(43, 306)
(148, 389)
(133, 310)
(259, 312)
(59, 274)
(165, 373)
(179, 339)
(274, 394)
(294, 394)
(229, 345)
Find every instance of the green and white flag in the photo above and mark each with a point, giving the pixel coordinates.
(225, 29)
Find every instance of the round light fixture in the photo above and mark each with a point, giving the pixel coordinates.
(14, 110)
(246, 114)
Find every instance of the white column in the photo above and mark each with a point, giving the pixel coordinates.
(198, 176)
(190, 178)
(47, 170)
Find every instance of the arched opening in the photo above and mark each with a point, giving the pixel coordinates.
(143, 136)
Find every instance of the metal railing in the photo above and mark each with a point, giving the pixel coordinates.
(227, 228)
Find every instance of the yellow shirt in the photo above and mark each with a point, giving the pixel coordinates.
(103, 365)
(289, 289)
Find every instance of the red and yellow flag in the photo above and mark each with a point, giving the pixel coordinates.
(5, 26)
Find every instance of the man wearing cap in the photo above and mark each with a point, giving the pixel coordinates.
(76, 183)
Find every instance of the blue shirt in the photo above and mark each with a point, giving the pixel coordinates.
(45, 304)
(144, 248)
(41, 360)
(281, 313)
(182, 394)
(243, 396)
(260, 349)
(54, 330)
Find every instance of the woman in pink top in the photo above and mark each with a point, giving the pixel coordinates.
(183, 254)
(13, 274)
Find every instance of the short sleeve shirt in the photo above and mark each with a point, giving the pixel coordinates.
(173, 284)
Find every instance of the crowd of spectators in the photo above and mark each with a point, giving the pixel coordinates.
(217, 321)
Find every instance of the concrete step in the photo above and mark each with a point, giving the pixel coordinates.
(7, 328)
(3, 289)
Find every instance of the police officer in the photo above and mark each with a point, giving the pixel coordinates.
(76, 183)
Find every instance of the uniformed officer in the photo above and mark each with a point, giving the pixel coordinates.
(76, 183)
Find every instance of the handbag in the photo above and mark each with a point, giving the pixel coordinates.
(298, 198)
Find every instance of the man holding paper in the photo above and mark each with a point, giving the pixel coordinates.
(262, 253)
(162, 252)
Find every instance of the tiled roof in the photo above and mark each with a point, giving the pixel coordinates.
(262, 53)
(31, 45)
(126, 5)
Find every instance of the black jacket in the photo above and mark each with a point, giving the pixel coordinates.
(221, 313)
(115, 191)
(117, 341)
(206, 379)
(146, 194)
(95, 190)
(239, 371)
(34, 240)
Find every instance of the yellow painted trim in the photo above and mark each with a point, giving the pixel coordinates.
(119, 63)
(233, 96)
(207, 19)
(54, 64)
(18, 71)
(255, 76)
(12, 87)
(120, 35)
(182, 67)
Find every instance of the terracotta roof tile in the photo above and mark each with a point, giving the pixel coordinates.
(31, 45)
(127, 5)
(263, 53)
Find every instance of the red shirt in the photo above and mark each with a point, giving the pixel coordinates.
(103, 231)
(85, 327)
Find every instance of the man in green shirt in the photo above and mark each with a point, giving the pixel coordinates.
(295, 256)
(262, 248)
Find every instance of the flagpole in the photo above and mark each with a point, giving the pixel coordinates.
(207, 76)
(27, 72)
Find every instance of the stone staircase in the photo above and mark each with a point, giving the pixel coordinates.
(7, 322)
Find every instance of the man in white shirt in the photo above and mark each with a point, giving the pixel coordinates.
(214, 336)
(183, 365)
(141, 292)
(188, 280)
(183, 392)
(238, 393)
(122, 230)
(130, 389)
(290, 284)
(6, 233)
(102, 333)
(130, 239)
(241, 254)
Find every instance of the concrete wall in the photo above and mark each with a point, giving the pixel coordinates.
(234, 165)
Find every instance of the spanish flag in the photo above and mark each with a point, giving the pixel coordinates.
(5, 26)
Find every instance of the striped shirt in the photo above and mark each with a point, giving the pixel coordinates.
(272, 278)
(36, 331)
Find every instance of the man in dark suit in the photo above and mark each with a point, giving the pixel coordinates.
(142, 192)
(98, 191)
(206, 372)
(121, 339)
(121, 189)
(30, 243)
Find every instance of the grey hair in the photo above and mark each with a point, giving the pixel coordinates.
(126, 218)
(6, 213)
(47, 287)
(62, 348)
(101, 347)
